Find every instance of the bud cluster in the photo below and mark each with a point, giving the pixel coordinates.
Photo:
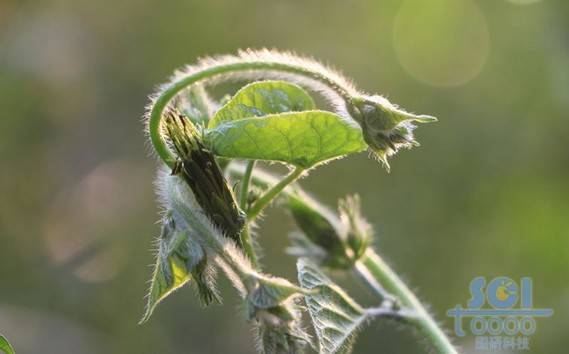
(335, 241)
(199, 169)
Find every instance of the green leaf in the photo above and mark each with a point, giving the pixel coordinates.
(272, 291)
(179, 259)
(320, 226)
(263, 98)
(5, 345)
(282, 340)
(299, 138)
(386, 128)
(335, 315)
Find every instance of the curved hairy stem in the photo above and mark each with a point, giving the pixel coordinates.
(246, 234)
(270, 194)
(383, 274)
(161, 102)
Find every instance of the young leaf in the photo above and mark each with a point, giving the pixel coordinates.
(272, 291)
(322, 233)
(5, 345)
(386, 128)
(179, 259)
(299, 138)
(336, 316)
(263, 98)
(281, 340)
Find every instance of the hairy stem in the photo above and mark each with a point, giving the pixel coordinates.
(368, 278)
(245, 182)
(393, 284)
(270, 194)
(212, 241)
(248, 246)
(385, 282)
(161, 102)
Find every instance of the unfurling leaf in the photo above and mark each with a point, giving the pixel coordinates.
(334, 241)
(272, 291)
(263, 98)
(179, 259)
(281, 340)
(279, 329)
(359, 231)
(336, 317)
(302, 139)
(322, 233)
(386, 128)
(272, 304)
(5, 346)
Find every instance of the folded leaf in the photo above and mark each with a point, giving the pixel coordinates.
(335, 315)
(179, 259)
(299, 138)
(272, 292)
(282, 340)
(263, 98)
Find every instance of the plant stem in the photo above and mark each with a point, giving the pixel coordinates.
(246, 234)
(270, 194)
(383, 280)
(245, 182)
(383, 274)
(368, 278)
(161, 102)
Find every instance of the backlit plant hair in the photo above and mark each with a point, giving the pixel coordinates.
(202, 144)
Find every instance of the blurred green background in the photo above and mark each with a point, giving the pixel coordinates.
(486, 194)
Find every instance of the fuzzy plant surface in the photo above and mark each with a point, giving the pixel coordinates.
(212, 189)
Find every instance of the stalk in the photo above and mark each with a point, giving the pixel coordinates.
(386, 284)
(270, 194)
(384, 275)
(246, 234)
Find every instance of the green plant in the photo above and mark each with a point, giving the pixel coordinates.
(206, 227)
(5, 345)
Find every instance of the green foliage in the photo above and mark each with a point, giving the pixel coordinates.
(274, 121)
(179, 258)
(283, 338)
(6, 346)
(335, 315)
(272, 291)
(386, 128)
(302, 139)
(334, 241)
(263, 98)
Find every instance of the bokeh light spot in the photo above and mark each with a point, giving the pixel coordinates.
(441, 42)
